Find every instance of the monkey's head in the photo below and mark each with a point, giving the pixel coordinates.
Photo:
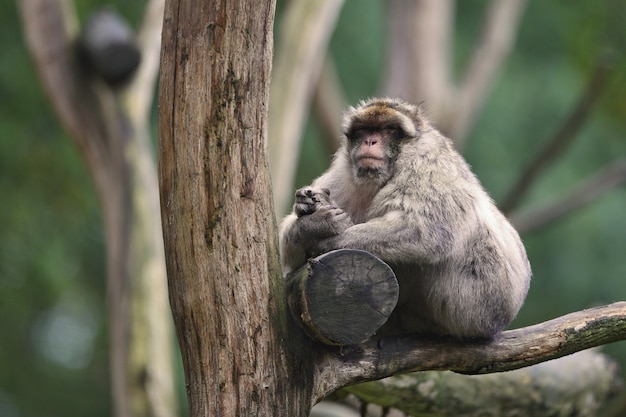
(375, 132)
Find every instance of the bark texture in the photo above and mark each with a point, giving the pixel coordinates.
(226, 286)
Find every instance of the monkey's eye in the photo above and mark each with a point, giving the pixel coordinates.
(357, 134)
(394, 132)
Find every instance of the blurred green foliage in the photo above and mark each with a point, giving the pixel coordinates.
(53, 353)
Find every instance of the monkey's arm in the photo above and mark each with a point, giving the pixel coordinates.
(292, 250)
(396, 237)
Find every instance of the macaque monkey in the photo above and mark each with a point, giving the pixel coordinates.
(397, 188)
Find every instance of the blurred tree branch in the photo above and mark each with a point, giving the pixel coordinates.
(304, 35)
(502, 20)
(563, 138)
(329, 102)
(587, 192)
(574, 385)
(419, 60)
(110, 127)
(419, 47)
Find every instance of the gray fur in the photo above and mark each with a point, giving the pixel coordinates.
(461, 267)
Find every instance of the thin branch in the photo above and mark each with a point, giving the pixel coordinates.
(328, 104)
(563, 138)
(304, 37)
(502, 20)
(587, 192)
(139, 94)
(515, 349)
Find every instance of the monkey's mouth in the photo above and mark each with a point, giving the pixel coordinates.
(371, 162)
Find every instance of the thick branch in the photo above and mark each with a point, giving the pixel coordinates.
(304, 36)
(226, 288)
(587, 192)
(515, 349)
(575, 386)
(50, 27)
(562, 139)
(500, 28)
(419, 45)
(118, 152)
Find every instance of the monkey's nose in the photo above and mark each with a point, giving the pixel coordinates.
(371, 140)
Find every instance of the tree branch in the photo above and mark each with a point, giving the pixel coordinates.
(563, 138)
(576, 385)
(515, 349)
(140, 92)
(118, 152)
(304, 36)
(502, 20)
(587, 192)
(419, 52)
(328, 104)
(50, 27)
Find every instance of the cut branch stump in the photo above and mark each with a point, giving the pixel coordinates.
(342, 297)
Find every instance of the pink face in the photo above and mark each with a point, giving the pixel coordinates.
(370, 153)
(372, 149)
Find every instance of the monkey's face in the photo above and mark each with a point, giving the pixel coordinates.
(373, 149)
(376, 130)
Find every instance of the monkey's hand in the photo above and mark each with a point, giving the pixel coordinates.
(326, 221)
(318, 216)
(309, 200)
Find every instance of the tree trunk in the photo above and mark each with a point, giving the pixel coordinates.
(226, 287)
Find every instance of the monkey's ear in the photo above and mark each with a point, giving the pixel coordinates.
(420, 114)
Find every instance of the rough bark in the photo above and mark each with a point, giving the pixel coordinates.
(240, 355)
(111, 130)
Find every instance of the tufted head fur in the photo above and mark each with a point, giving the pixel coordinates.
(381, 112)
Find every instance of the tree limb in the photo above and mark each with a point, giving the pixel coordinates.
(118, 152)
(50, 27)
(419, 52)
(563, 138)
(139, 93)
(502, 20)
(304, 37)
(328, 104)
(585, 193)
(575, 385)
(514, 349)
